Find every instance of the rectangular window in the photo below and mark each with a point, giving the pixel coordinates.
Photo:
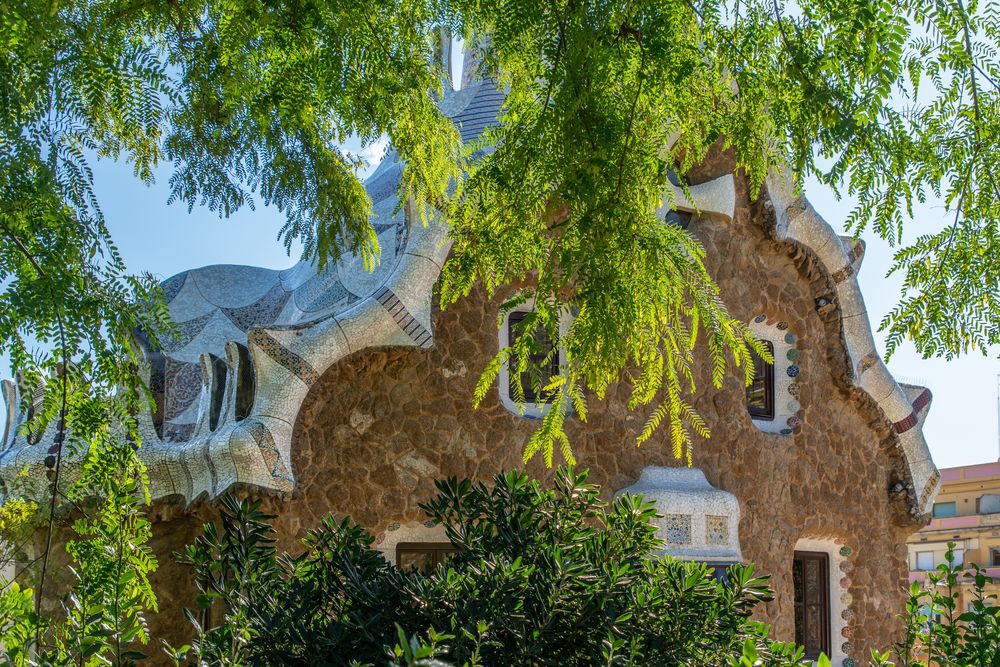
(760, 394)
(994, 557)
(942, 510)
(925, 560)
(538, 368)
(959, 556)
(811, 580)
(425, 556)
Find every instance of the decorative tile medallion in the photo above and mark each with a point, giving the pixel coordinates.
(794, 422)
(846, 551)
(793, 371)
(393, 526)
(677, 528)
(793, 389)
(717, 529)
(790, 338)
(760, 318)
(782, 326)
(848, 662)
(792, 355)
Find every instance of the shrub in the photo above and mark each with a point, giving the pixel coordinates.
(937, 631)
(540, 577)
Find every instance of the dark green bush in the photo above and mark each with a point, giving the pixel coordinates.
(541, 577)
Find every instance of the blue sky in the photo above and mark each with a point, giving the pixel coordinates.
(960, 429)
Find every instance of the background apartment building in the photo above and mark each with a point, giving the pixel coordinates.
(966, 512)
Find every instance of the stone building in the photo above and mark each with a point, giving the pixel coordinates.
(349, 392)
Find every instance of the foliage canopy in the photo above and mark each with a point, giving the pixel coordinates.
(607, 100)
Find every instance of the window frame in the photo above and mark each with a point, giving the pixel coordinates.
(437, 550)
(823, 603)
(916, 561)
(528, 410)
(950, 503)
(767, 413)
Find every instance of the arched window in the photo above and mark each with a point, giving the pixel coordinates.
(773, 397)
(760, 394)
(544, 362)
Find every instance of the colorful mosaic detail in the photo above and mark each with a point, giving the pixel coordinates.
(677, 528)
(922, 400)
(393, 526)
(262, 311)
(905, 424)
(847, 615)
(409, 324)
(846, 599)
(717, 529)
(846, 551)
(785, 391)
(183, 385)
(794, 422)
(298, 366)
(848, 662)
(272, 457)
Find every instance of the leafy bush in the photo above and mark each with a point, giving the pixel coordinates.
(540, 577)
(937, 631)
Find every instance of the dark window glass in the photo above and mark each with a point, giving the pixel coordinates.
(810, 578)
(425, 556)
(535, 361)
(760, 394)
(994, 557)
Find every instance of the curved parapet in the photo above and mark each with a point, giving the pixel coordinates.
(253, 341)
(797, 220)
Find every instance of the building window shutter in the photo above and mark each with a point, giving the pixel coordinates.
(811, 580)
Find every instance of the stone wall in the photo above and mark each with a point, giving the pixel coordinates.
(381, 425)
